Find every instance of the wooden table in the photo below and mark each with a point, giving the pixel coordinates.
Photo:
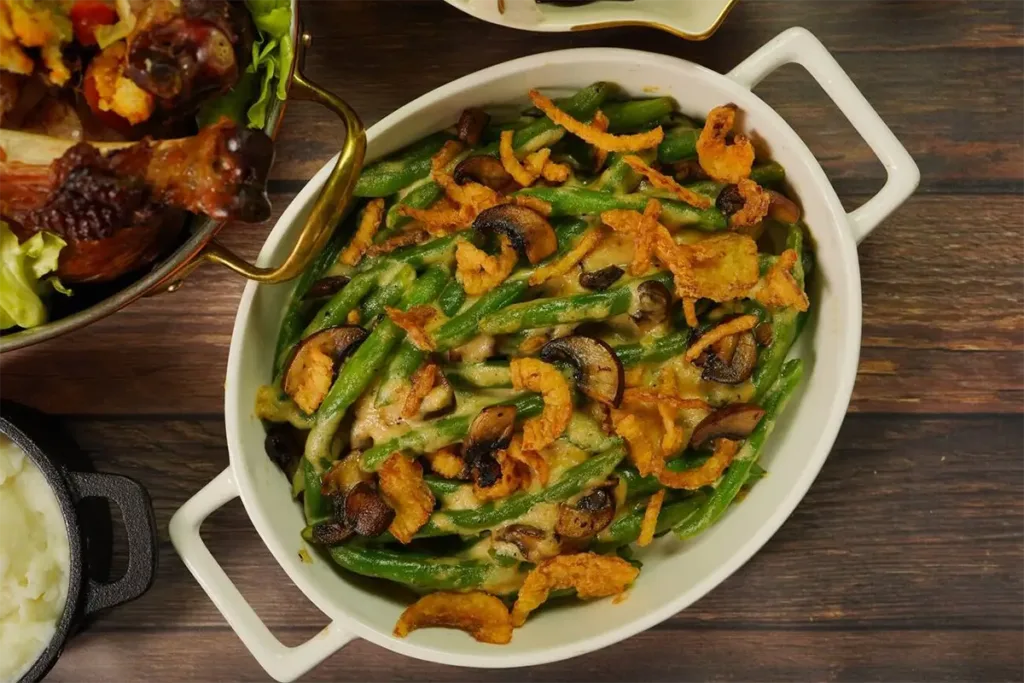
(904, 560)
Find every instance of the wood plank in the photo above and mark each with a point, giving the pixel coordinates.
(942, 325)
(962, 128)
(692, 655)
(902, 500)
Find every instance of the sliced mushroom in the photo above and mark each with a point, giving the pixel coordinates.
(314, 364)
(730, 200)
(485, 170)
(526, 543)
(738, 368)
(529, 232)
(782, 208)
(489, 432)
(598, 370)
(284, 445)
(331, 533)
(366, 513)
(471, 125)
(734, 421)
(325, 287)
(600, 280)
(764, 334)
(650, 304)
(589, 515)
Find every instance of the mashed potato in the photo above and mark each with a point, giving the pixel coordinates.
(34, 561)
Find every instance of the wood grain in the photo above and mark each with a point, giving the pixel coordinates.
(902, 512)
(903, 562)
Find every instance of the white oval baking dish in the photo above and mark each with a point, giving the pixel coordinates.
(675, 573)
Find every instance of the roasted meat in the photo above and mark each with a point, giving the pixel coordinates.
(91, 198)
(182, 52)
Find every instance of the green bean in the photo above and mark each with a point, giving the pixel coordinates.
(421, 195)
(625, 529)
(786, 324)
(423, 572)
(564, 310)
(636, 115)
(736, 476)
(655, 351)
(619, 177)
(387, 176)
(361, 367)
(442, 432)
(580, 201)
(679, 144)
(403, 364)
(590, 472)
(452, 298)
(440, 251)
(337, 308)
(387, 294)
(315, 505)
(294, 322)
(768, 175)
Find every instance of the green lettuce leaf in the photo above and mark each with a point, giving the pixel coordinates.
(22, 282)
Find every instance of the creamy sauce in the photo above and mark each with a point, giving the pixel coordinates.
(272, 407)
(34, 561)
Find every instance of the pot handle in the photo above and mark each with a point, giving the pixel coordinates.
(137, 513)
(799, 46)
(283, 663)
(329, 207)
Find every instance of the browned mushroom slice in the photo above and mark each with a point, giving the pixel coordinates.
(331, 533)
(284, 444)
(485, 170)
(314, 364)
(525, 542)
(325, 287)
(598, 370)
(471, 125)
(528, 231)
(729, 200)
(734, 421)
(782, 208)
(601, 280)
(738, 368)
(366, 513)
(589, 515)
(489, 432)
(764, 334)
(650, 304)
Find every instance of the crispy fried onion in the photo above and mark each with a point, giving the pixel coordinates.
(592, 135)
(533, 343)
(720, 331)
(535, 203)
(473, 197)
(600, 123)
(728, 163)
(369, 223)
(423, 381)
(567, 262)
(554, 172)
(401, 482)
(479, 614)
(536, 165)
(756, 202)
(478, 271)
(779, 288)
(690, 311)
(641, 430)
(513, 477)
(646, 231)
(592, 575)
(447, 462)
(650, 522)
(530, 374)
(439, 220)
(721, 268)
(403, 239)
(640, 396)
(414, 323)
(343, 475)
(531, 461)
(663, 182)
(705, 475)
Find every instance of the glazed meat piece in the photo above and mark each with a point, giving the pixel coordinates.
(184, 52)
(136, 194)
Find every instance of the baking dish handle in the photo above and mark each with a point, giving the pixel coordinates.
(283, 663)
(799, 46)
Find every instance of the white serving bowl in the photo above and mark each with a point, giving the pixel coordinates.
(675, 573)
(689, 19)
